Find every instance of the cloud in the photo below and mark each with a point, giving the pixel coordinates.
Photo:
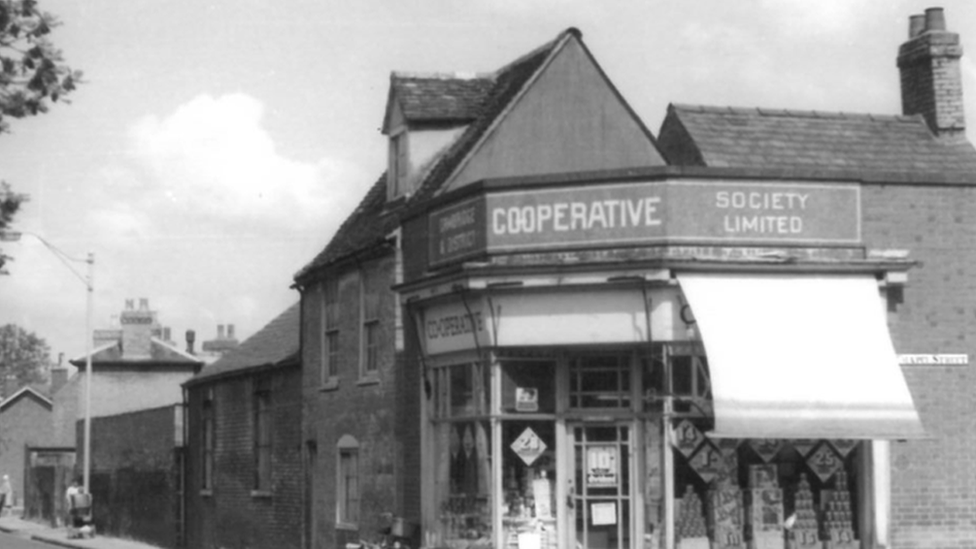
(212, 160)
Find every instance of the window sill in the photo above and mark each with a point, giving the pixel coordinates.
(206, 493)
(347, 526)
(371, 379)
(331, 385)
(260, 494)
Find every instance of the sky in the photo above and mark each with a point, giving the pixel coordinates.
(216, 146)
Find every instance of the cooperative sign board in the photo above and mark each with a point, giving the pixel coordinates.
(639, 213)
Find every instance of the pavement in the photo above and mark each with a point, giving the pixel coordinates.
(12, 523)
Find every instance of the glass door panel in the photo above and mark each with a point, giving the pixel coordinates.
(601, 492)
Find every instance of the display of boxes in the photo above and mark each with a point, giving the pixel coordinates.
(838, 516)
(804, 532)
(764, 510)
(725, 516)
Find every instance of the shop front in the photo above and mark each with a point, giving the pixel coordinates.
(663, 362)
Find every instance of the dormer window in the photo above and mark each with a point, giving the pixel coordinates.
(399, 167)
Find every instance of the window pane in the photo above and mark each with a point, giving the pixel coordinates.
(529, 386)
(463, 484)
(600, 382)
(461, 390)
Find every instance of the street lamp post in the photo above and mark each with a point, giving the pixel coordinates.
(88, 280)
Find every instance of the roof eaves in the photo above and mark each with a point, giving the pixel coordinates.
(25, 390)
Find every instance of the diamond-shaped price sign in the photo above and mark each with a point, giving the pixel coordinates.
(843, 446)
(767, 448)
(529, 446)
(803, 445)
(706, 463)
(687, 437)
(824, 462)
(710, 463)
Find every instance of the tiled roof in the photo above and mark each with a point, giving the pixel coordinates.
(761, 138)
(368, 225)
(440, 97)
(275, 344)
(374, 219)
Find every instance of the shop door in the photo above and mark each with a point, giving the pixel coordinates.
(601, 493)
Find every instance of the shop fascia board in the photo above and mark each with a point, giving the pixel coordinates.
(486, 277)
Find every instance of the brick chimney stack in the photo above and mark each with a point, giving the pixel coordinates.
(137, 326)
(931, 80)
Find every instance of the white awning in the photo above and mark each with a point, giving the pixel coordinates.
(797, 356)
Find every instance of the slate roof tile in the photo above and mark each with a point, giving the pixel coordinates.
(440, 97)
(775, 138)
(374, 219)
(276, 344)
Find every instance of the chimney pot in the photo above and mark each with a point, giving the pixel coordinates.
(143, 304)
(916, 25)
(130, 304)
(230, 331)
(220, 331)
(935, 20)
(191, 336)
(931, 77)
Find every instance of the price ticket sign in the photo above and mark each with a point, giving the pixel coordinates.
(529, 446)
(824, 462)
(601, 466)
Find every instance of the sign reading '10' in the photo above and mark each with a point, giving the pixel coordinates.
(681, 211)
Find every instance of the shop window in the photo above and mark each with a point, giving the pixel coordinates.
(600, 381)
(329, 367)
(679, 370)
(262, 434)
(463, 456)
(461, 390)
(209, 441)
(528, 484)
(347, 485)
(528, 386)
(744, 491)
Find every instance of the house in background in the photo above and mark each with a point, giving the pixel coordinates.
(136, 428)
(25, 420)
(243, 467)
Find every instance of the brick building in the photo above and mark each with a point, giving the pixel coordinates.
(351, 374)
(25, 420)
(752, 329)
(243, 467)
(136, 413)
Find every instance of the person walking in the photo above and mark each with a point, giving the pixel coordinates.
(5, 495)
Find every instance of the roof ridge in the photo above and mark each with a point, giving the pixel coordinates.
(795, 113)
(439, 75)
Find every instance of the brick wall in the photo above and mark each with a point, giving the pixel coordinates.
(354, 407)
(232, 514)
(933, 481)
(134, 474)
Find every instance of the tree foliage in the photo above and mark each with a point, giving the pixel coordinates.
(32, 70)
(9, 204)
(25, 358)
(32, 74)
